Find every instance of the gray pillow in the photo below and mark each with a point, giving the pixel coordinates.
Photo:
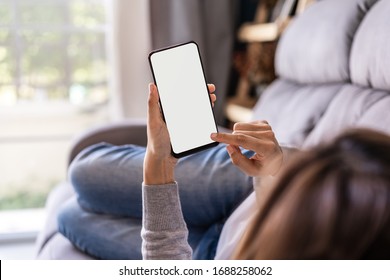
(316, 47)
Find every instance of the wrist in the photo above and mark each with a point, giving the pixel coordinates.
(158, 171)
(279, 160)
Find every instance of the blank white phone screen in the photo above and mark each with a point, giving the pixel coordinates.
(184, 97)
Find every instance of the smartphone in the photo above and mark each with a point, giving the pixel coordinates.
(184, 98)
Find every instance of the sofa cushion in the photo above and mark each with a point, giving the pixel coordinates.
(293, 110)
(60, 248)
(315, 48)
(345, 111)
(377, 116)
(61, 193)
(370, 55)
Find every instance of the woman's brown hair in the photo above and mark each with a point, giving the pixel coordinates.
(332, 202)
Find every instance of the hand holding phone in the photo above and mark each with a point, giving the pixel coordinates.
(184, 98)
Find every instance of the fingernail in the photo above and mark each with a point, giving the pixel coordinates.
(214, 136)
(229, 149)
(150, 87)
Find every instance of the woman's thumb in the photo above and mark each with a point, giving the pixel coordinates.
(153, 107)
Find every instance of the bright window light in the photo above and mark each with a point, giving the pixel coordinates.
(53, 66)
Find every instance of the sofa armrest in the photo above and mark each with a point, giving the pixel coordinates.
(127, 132)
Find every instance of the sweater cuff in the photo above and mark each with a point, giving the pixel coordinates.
(162, 208)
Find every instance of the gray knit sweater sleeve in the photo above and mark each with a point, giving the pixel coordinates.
(164, 232)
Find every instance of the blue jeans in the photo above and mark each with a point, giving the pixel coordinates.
(106, 219)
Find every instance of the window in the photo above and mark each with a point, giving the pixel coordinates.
(53, 84)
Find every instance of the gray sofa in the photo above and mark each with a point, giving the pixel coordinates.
(333, 65)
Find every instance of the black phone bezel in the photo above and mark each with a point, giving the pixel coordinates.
(200, 148)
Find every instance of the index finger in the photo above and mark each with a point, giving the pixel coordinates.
(254, 125)
(245, 141)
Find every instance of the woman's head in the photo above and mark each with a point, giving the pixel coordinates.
(332, 202)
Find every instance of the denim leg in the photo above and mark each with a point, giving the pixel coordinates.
(107, 236)
(211, 187)
(100, 235)
(107, 180)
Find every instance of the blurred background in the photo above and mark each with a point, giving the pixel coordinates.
(54, 82)
(69, 65)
